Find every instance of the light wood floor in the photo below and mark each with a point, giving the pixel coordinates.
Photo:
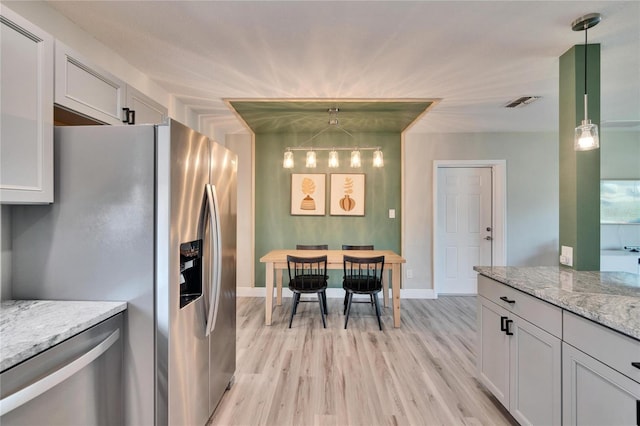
(420, 374)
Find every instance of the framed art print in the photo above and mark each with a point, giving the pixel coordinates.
(347, 194)
(308, 194)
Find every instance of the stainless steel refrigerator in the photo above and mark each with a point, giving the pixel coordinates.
(145, 214)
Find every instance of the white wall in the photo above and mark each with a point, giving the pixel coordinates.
(242, 146)
(532, 194)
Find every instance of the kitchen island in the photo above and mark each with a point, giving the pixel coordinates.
(558, 346)
(611, 299)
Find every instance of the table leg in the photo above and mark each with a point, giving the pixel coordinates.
(395, 284)
(385, 290)
(268, 302)
(278, 287)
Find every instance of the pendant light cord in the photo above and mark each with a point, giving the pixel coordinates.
(585, 60)
(585, 73)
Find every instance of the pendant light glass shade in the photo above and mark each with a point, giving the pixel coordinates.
(378, 160)
(287, 163)
(333, 159)
(586, 136)
(311, 159)
(355, 158)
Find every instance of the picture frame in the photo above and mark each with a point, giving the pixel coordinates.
(308, 194)
(347, 194)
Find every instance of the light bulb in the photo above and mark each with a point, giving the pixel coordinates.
(333, 159)
(288, 160)
(355, 158)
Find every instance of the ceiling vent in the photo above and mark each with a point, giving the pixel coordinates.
(522, 101)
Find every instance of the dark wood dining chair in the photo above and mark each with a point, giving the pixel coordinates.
(312, 247)
(308, 275)
(362, 275)
(356, 247)
(352, 247)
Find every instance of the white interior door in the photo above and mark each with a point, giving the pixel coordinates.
(464, 227)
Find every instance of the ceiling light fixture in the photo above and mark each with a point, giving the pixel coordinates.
(586, 134)
(288, 162)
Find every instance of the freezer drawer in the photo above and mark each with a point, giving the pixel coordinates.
(77, 382)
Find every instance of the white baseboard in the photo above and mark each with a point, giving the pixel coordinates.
(337, 293)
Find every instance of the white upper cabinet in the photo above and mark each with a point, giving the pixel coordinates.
(26, 105)
(141, 109)
(87, 89)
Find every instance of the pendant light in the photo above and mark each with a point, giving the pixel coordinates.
(287, 163)
(311, 159)
(586, 135)
(333, 159)
(355, 158)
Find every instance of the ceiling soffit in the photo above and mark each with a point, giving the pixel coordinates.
(310, 116)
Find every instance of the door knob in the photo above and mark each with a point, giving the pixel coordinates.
(488, 238)
(488, 229)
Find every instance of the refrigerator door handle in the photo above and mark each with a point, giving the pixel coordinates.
(216, 272)
(36, 389)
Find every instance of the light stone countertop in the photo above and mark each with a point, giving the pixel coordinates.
(608, 298)
(29, 327)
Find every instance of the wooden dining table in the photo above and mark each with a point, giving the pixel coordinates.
(276, 261)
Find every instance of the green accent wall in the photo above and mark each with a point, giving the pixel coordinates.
(579, 170)
(276, 228)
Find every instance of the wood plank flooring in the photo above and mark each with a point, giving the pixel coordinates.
(420, 374)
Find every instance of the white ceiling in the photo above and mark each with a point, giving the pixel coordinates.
(474, 55)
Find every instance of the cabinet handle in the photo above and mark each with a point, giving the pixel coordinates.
(637, 412)
(506, 299)
(507, 327)
(132, 117)
(503, 325)
(636, 365)
(125, 115)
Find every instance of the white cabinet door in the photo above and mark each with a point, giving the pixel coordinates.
(493, 349)
(520, 364)
(536, 374)
(26, 103)
(87, 89)
(143, 109)
(595, 394)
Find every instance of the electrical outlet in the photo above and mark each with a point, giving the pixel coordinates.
(566, 256)
(409, 273)
(392, 213)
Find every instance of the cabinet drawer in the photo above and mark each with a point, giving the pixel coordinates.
(610, 347)
(538, 312)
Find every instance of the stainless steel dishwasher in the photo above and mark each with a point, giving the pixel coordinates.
(77, 382)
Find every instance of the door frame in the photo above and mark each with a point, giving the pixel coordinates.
(498, 209)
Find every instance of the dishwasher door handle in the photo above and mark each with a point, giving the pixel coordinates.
(36, 389)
